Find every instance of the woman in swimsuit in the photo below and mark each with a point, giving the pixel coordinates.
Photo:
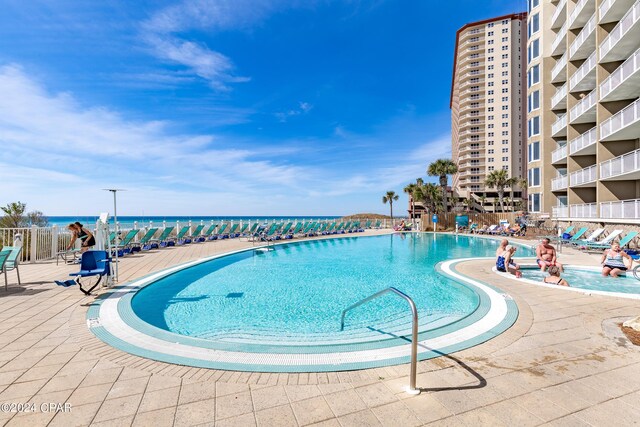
(613, 261)
(85, 236)
(554, 277)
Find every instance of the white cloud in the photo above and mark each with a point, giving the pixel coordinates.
(303, 108)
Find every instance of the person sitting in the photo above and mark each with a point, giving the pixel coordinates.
(482, 229)
(400, 227)
(502, 247)
(613, 261)
(546, 255)
(79, 232)
(554, 277)
(505, 262)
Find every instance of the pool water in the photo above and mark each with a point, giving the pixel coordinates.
(296, 293)
(591, 280)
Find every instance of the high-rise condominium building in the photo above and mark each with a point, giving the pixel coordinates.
(583, 109)
(488, 105)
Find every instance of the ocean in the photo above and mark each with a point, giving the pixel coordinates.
(124, 221)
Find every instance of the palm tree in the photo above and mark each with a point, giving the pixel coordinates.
(442, 168)
(499, 179)
(429, 195)
(483, 200)
(410, 189)
(390, 197)
(467, 203)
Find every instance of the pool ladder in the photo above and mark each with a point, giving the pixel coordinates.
(414, 330)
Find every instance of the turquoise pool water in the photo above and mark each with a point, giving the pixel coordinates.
(297, 292)
(591, 280)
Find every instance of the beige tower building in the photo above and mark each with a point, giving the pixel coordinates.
(583, 109)
(488, 105)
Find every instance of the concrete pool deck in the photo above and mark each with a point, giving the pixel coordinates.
(561, 363)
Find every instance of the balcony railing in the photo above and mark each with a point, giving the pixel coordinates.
(583, 106)
(559, 67)
(587, 210)
(623, 209)
(560, 183)
(559, 9)
(583, 176)
(560, 94)
(559, 154)
(560, 37)
(622, 73)
(620, 120)
(586, 139)
(559, 124)
(620, 165)
(605, 6)
(586, 67)
(560, 211)
(578, 9)
(586, 32)
(620, 30)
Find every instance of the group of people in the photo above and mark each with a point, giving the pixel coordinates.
(613, 261)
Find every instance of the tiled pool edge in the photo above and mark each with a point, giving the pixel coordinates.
(447, 268)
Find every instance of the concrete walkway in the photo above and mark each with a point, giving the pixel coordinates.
(562, 363)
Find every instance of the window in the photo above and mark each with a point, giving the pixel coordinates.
(505, 150)
(491, 168)
(505, 30)
(490, 59)
(505, 141)
(490, 160)
(490, 25)
(533, 4)
(505, 107)
(505, 133)
(490, 76)
(533, 101)
(490, 33)
(490, 109)
(490, 67)
(505, 73)
(505, 47)
(490, 118)
(533, 75)
(490, 92)
(534, 126)
(505, 124)
(534, 24)
(505, 39)
(505, 98)
(505, 167)
(534, 177)
(490, 134)
(505, 21)
(490, 84)
(490, 142)
(534, 202)
(490, 50)
(533, 50)
(491, 151)
(505, 116)
(505, 81)
(490, 101)
(534, 151)
(490, 42)
(490, 126)
(505, 64)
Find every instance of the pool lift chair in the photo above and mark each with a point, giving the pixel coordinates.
(93, 263)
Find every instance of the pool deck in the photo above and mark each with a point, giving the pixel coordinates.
(562, 363)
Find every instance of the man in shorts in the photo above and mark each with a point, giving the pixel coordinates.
(546, 255)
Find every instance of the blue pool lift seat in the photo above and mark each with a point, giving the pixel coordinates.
(93, 263)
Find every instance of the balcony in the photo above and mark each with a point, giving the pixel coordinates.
(585, 77)
(621, 168)
(585, 42)
(613, 10)
(560, 211)
(585, 110)
(559, 45)
(584, 177)
(559, 16)
(624, 82)
(559, 71)
(559, 99)
(559, 128)
(559, 156)
(581, 13)
(560, 183)
(587, 210)
(623, 209)
(585, 144)
(623, 39)
(622, 125)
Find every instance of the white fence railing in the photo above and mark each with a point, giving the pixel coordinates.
(620, 165)
(583, 176)
(559, 154)
(620, 120)
(583, 106)
(558, 41)
(559, 125)
(586, 139)
(587, 210)
(620, 30)
(560, 94)
(559, 183)
(578, 9)
(622, 73)
(623, 209)
(560, 211)
(556, 14)
(586, 67)
(559, 67)
(586, 32)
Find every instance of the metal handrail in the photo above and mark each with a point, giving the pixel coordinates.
(414, 330)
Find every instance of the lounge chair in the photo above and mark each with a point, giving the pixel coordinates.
(605, 242)
(164, 240)
(232, 231)
(242, 230)
(378, 224)
(472, 228)
(92, 263)
(208, 233)
(284, 232)
(197, 233)
(249, 233)
(590, 239)
(181, 238)
(221, 232)
(125, 244)
(145, 242)
(575, 237)
(9, 260)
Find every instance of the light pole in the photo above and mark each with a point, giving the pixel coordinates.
(115, 221)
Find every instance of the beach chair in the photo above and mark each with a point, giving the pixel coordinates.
(126, 244)
(242, 230)
(378, 225)
(221, 232)
(284, 232)
(145, 242)
(181, 238)
(472, 228)
(197, 233)
(603, 243)
(590, 239)
(164, 240)
(575, 237)
(208, 232)
(4, 255)
(92, 263)
(367, 225)
(232, 231)
(330, 229)
(249, 233)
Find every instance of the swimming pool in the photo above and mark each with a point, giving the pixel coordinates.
(237, 311)
(590, 280)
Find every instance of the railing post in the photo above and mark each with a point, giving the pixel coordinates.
(34, 243)
(54, 241)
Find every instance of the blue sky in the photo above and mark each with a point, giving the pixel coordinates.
(232, 107)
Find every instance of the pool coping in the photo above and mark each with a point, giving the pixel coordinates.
(105, 321)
